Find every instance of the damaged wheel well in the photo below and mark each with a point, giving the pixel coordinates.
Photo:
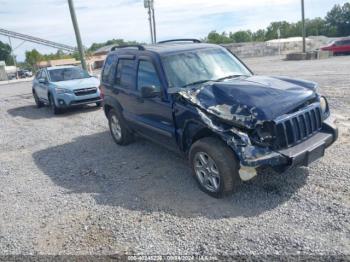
(193, 133)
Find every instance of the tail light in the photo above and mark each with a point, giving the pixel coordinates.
(102, 94)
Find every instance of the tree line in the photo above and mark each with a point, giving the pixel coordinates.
(335, 24)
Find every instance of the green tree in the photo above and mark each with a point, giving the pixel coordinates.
(259, 36)
(96, 46)
(33, 57)
(5, 53)
(241, 36)
(339, 18)
(216, 38)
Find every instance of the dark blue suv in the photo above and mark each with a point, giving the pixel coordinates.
(200, 99)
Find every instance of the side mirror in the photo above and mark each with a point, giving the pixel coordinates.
(149, 92)
(42, 81)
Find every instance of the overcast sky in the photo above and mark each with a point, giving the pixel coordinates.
(101, 20)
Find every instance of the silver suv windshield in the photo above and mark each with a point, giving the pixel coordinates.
(65, 74)
(199, 66)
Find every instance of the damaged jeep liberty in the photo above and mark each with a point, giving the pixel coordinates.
(202, 100)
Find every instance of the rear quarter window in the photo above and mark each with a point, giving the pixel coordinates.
(125, 76)
(109, 69)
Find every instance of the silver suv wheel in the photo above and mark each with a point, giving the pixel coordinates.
(115, 127)
(206, 171)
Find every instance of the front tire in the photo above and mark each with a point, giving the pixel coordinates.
(37, 100)
(119, 130)
(54, 109)
(214, 166)
(98, 104)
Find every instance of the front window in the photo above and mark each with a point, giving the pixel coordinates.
(66, 74)
(147, 76)
(197, 66)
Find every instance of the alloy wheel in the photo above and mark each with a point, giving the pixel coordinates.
(206, 171)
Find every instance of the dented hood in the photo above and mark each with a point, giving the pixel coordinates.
(246, 101)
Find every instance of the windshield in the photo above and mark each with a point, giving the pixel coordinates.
(198, 66)
(65, 74)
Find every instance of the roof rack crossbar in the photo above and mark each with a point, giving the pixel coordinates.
(140, 47)
(181, 40)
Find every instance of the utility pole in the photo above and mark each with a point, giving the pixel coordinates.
(150, 23)
(13, 57)
(303, 25)
(77, 34)
(149, 4)
(154, 23)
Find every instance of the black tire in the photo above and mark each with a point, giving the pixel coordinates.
(99, 104)
(54, 109)
(37, 100)
(225, 161)
(124, 136)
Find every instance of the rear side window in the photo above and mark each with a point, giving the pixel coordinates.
(147, 75)
(37, 75)
(43, 75)
(108, 69)
(125, 76)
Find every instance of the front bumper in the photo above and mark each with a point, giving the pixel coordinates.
(301, 154)
(70, 99)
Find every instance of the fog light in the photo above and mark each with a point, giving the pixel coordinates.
(246, 173)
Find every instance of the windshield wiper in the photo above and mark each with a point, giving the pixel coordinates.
(198, 82)
(228, 77)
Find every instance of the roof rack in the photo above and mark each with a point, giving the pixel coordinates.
(140, 47)
(181, 40)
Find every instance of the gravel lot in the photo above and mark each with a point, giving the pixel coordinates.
(66, 188)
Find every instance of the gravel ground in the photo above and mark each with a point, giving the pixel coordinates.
(66, 188)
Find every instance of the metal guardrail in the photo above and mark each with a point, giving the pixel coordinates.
(37, 40)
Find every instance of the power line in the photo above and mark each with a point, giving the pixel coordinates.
(36, 40)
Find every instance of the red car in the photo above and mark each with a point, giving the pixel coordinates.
(338, 47)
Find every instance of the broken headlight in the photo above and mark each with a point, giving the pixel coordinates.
(264, 134)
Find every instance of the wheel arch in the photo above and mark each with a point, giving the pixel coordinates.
(109, 104)
(193, 131)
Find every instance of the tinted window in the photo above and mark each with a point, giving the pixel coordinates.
(125, 77)
(108, 70)
(346, 42)
(147, 75)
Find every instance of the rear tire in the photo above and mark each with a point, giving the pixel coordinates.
(54, 109)
(118, 127)
(214, 166)
(37, 100)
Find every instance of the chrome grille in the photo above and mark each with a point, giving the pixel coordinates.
(296, 127)
(85, 91)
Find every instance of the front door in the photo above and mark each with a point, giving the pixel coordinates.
(152, 117)
(42, 88)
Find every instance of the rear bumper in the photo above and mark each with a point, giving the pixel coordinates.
(299, 155)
